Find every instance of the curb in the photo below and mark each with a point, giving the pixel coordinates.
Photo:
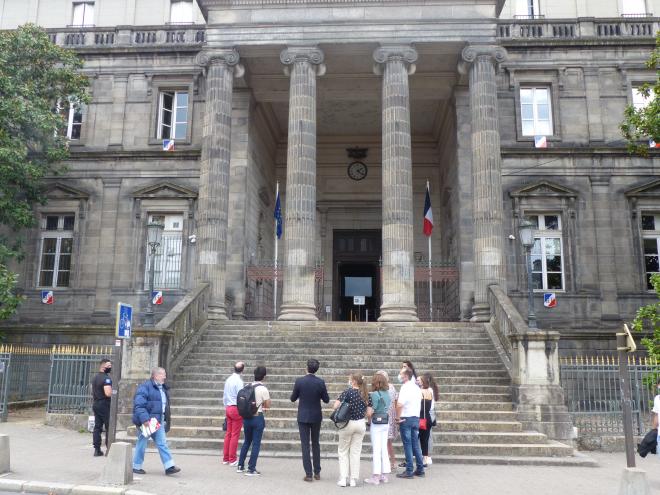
(55, 488)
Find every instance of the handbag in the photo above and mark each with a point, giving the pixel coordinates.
(380, 418)
(423, 423)
(224, 425)
(341, 415)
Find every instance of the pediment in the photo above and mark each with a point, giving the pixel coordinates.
(543, 188)
(164, 190)
(59, 190)
(648, 189)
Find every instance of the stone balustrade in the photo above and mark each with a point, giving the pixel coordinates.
(122, 36)
(582, 28)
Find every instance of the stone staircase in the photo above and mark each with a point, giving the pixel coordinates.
(476, 422)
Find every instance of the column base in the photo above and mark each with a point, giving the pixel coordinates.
(480, 313)
(217, 313)
(542, 408)
(398, 314)
(297, 312)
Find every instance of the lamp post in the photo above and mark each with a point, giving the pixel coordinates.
(526, 233)
(154, 238)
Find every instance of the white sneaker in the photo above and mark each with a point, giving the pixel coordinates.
(429, 461)
(353, 482)
(233, 464)
(225, 462)
(341, 483)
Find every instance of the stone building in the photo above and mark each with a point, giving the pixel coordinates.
(352, 107)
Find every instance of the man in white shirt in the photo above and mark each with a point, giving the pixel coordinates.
(408, 406)
(234, 421)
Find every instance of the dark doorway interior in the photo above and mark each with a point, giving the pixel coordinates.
(356, 255)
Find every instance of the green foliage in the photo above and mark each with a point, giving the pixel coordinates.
(644, 123)
(35, 75)
(648, 317)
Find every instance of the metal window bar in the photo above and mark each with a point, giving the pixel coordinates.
(167, 264)
(443, 275)
(593, 397)
(71, 372)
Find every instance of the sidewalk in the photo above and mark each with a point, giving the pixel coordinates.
(43, 453)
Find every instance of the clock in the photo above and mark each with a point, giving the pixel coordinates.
(357, 170)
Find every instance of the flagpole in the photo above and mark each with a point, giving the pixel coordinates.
(430, 269)
(277, 192)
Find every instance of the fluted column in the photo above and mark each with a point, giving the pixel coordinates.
(302, 64)
(221, 66)
(489, 267)
(395, 63)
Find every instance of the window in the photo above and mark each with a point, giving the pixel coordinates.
(526, 9)
(181, 12)
(173, 115)
(640, 101)
(73, 114)
(633, 7)
(56, 250)
(651, 240)
(535, 111)
(547, 258)
(167, 261)
(83, 14)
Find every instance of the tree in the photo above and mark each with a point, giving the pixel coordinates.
(644, 123)
(648, 317)
(37, 79)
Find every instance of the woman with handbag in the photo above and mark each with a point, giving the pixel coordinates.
(429, 393)
(351, 436)
(378, 430)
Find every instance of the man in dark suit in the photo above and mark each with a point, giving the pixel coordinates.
(311, 390)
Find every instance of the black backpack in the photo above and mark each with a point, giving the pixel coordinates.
(246, 403)
(649, 443)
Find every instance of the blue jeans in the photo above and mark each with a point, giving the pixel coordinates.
(410, 437)
(160, 440)
(253, 429)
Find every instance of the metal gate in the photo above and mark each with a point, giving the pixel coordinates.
(443, 278)
(5, 370)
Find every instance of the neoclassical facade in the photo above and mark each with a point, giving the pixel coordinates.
(199, 109)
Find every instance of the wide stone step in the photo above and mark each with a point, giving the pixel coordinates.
(329, 368)
(345, 342)
(490, 437)
(475, 397)
(551, 449)
(478, 426)
(473, 406)
(351, 353)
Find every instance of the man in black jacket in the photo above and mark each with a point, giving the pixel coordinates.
(311, 390)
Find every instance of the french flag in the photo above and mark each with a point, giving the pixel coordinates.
(428, 213)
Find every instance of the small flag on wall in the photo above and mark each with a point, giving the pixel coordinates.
(428, 213)
(540, 142)
(652, 144)
(157, 297)
(549, 300)
(168, 144)
(47, 297)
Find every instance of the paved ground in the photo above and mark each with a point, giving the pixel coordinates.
(42, 453)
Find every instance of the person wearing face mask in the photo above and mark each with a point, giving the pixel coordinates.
(101, 393)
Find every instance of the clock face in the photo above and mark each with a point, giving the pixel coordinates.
(357, 170)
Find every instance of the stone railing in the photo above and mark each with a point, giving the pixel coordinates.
(505, 318)
(582, 28)
(182, 326)
(123, 36)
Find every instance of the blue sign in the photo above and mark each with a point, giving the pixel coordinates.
(124, 324)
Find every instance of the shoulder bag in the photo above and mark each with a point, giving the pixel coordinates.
(423, 424)
(381, 418)
(342, 415)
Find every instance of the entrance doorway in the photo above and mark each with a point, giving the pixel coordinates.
(356, 256)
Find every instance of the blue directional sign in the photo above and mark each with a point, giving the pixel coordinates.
(124, 323)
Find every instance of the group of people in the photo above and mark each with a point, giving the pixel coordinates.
(410, 413)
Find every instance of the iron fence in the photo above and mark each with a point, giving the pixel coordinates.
(593, 397)
(30, 367)
(71, 372)
(443, 278)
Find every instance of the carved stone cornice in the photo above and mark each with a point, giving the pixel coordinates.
(226, 56)
(311, 54)
(471, 53)
(387, 53)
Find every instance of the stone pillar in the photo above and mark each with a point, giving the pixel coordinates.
(489, 267)
(221, 66)
(300, 207)
(395, 63)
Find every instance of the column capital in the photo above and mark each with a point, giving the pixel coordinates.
(311, 54)
(225, 56)
(387, 53)
(470, 53)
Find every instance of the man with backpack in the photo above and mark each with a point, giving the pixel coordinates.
(251, 402)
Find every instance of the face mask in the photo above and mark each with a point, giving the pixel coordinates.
(400, 379)
(350, 383)
(108, 369)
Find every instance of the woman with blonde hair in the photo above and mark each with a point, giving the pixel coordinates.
(350, 437)
(380, 398)
(393, 427)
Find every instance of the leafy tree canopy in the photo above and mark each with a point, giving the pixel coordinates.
(37, 80)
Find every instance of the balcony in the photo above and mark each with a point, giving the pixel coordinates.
(573, 29)
(124, 36)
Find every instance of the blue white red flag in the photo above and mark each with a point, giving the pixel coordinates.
(428, 213)
(549, 300)
(47, 297)
(540, 142)
(157, 297)
(168, 144)
(278, 215)
(653, 144)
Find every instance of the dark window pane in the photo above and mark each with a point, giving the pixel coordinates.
(554, 281)
(552, 222)
(535, 220)
(648, 222)
(553, 263)
(63, 279)
(46, 279)
(649, 285)
(536, 264)
(650, 246)
(50, 245)
(165, 132)
(65, 262)
(651, 263)
(65, 246)
(69, 221)
(77, 115)
(75, 131)
(48, 262)
(167, 100)
(51, 222)
(537, 281)
(167, 117)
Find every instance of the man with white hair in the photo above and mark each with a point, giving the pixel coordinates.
(152, 401)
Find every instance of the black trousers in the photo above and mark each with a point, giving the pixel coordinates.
(101, 410)
(424, 436)
(310, 431)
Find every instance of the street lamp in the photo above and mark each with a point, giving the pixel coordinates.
(526, 233)
(154, 237)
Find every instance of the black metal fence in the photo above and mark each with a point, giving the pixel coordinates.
(442, 276)
(30, 367)
(593, 397)
(71, 372)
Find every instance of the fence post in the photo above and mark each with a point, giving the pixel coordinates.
(624, 384)
(5, 392)
(114, 401)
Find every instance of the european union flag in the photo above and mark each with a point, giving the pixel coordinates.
(278, 216)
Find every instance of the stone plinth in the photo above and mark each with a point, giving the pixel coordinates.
(118, 468)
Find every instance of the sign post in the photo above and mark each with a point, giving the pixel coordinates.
(359, 301)
(123, 331)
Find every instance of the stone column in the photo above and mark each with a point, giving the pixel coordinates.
(221, 66)
(300, 207)
(395, 63)
(488, 244)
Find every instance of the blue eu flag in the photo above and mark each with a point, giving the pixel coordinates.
(278, 216)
